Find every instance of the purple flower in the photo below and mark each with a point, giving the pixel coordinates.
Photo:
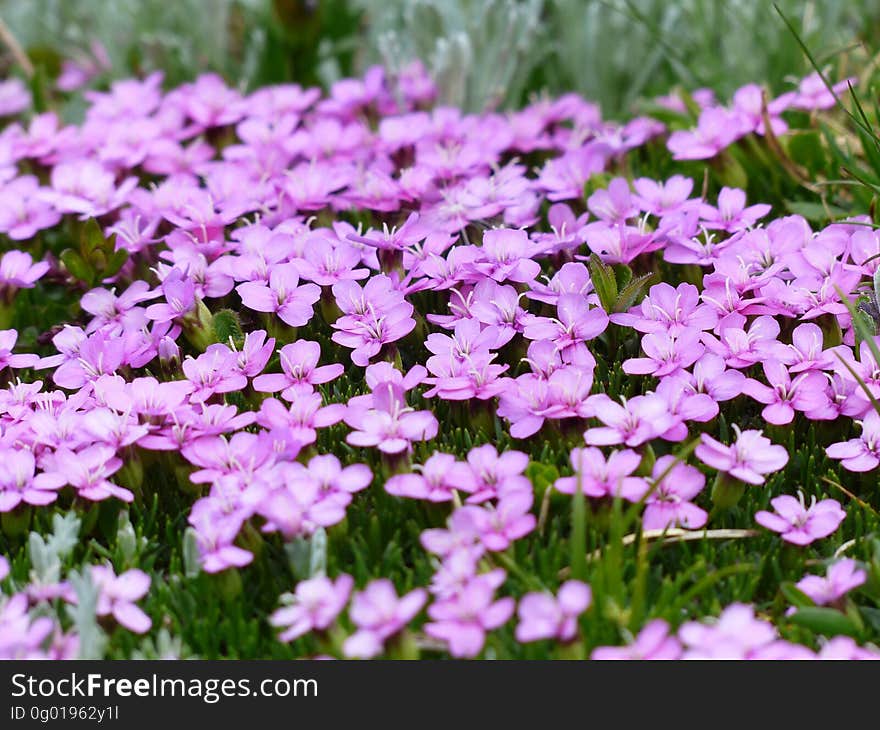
(638, 420)
(8, 338)
(435, 481)
(22, 637)
(736, 634)
(23, 209)
(390, 424)
(117, 594)
(666, 354)
(742, 348)
(299, 361)
(653, 642)
(812, 93)
(215, 532)
(374, 315)
(493, 474)
(18, 270)
(87, 187)
(378, 614)
(505, 256)
(282, 295)
(14, 97)
(254, 354)
(18, 483)
(463, 619)
(541, 616)
(314, 605)
(716, 129)
(732, 214)
(668, 309)
(212, 372)
(180, 298)
(806, 350)
(575, 324)
(749, 459)
(841, 578)
(799, 524)
(863, 453)
(785, 395)
(659, 198)
(87, 471)
(600, 478)
(670, 503)
(710, 377)
(845, 648)
(496, 527)
(296, 424)
(614, 204)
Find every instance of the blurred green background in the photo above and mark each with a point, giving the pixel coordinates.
(483, 53)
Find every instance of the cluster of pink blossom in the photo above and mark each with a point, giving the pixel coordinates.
(719, 126)
(29, 630)
(321, 221)
(737, 634)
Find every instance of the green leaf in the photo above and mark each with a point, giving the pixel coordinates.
(815, 212)
(623, 275)
(806, 149)
(92, 238)
(795, 596)
(115, 262)
(825, 621)
(77, 266)
(39, 84)
(604, 282)
(227, 326)
(578, 532)
(542, 476)
(631, 292)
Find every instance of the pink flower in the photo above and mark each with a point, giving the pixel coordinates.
(497, 527)
(18, 483)
(313, 606)
(379, 614)
(841, 578)
(749, 459)
(541, 616)
(668, 309)
(659, 198)
(86, 470)
(638, 420)
(299, 361)
(862, 453)
(799, 524)
(784, 395)
(212, 372)
(601, 478)
(736, 634)
(282, 295)
(652, 642)
(845, 648)
(117, 594)
(732, 214)
(18, 270)
(666, 354)
(716, 129)
(670, 503)
(435, 481)
(739, 347)
(463, 619)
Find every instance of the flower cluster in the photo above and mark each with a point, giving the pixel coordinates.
(299, 273)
